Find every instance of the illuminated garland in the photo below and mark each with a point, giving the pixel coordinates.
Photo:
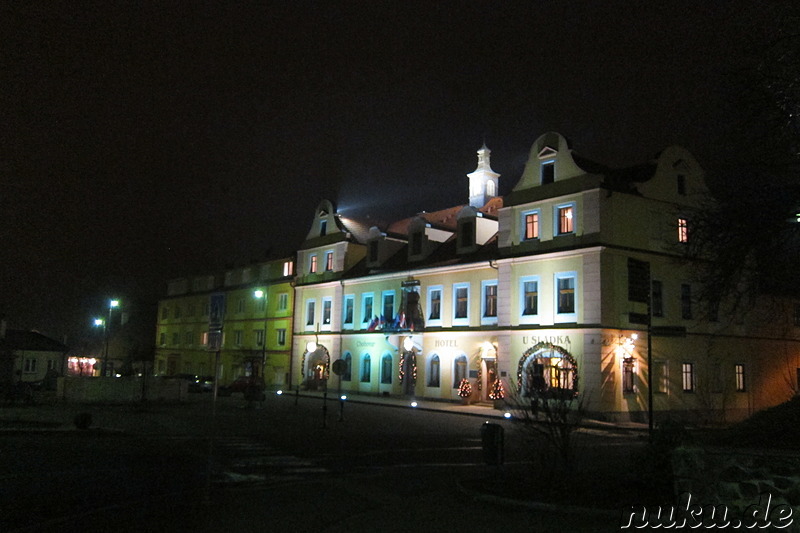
(464, 388)
(402, 372)
(548, 346)
(498, 392)
(479, 382)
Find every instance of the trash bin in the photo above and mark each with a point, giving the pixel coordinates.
(492, 441)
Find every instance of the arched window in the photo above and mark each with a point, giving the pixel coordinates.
(348, 365)
(459, 370)
(549, 371)
(386, 369)
(366, 368)
(434, 371)
(491, 190)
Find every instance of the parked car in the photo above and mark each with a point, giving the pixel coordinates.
(252, 388)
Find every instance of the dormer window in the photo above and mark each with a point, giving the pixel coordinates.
(328, 261)
(323, 228)
(312, 269)
(467, 234)
(416, 243)
(548, 172)
(373, 251)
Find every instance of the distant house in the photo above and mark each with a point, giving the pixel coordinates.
(29, 356)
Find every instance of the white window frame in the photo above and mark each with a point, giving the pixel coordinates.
(283, 301)
(365, 320)
(565, 317)
(351, 300)
(280, 336)
(464, 321)
(384, 295)
(326, 313)
(529, 319)
(429, 305)
(524, 229)
(557, 218)
(688, 377)
(310, 318)
(488, 320)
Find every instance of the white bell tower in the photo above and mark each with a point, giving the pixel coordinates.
(483, 182)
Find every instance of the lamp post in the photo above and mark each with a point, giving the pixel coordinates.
(262, 295)
(106, 323)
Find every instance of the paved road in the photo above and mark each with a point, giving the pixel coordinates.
(275, 465)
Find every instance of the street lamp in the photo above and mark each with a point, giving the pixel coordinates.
(259, 294)
(111, 305)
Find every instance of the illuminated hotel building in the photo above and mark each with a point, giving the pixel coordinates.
(544, 288)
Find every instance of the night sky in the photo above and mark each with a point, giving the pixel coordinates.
(150, 140)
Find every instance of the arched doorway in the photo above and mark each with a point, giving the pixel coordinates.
(316, 367)
(547, 369)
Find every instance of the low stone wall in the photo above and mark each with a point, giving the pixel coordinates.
(738, 478)
(120, 390)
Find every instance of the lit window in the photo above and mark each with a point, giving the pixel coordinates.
(313, 264)
(683, 230)
(288, 268)
(328, 261)
(531, 225)
(203, 338)
(565, 216)
(740, 380)
(688, 377)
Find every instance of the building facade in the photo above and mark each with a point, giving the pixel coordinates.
(575, 281)
(251, 310)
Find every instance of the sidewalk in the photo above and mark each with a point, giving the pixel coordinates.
(50, 414)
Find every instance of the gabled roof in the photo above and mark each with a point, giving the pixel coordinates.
(17, 339)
